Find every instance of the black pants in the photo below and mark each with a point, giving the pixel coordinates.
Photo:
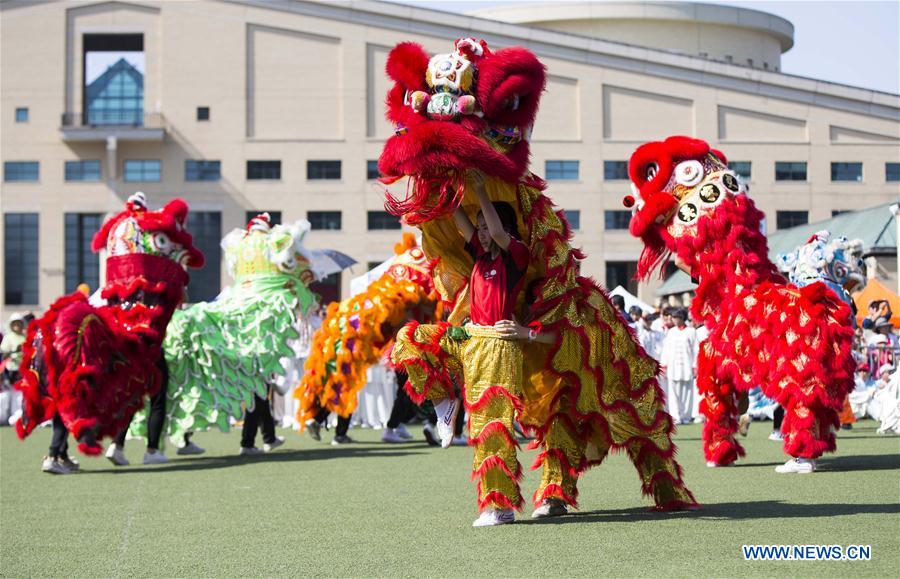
(778, 417)
(343, 424)
(260, 415)
(59, 442)
(403, 408)
(156, 415)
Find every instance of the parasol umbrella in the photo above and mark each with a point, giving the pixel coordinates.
(325, 262)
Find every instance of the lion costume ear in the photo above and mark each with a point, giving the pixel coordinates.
(510, 83)
(178, 209)
(406, 65)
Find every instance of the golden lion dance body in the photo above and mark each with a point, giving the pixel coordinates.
(357, 331)
(591, 391)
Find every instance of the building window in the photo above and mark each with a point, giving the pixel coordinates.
(573, 216)
(615, 170)
(329, 289)
(259, 170)
(202, 170)
(372, 171)
(613, 220)
(114, 79)
(561, 170)
(18, 171)
(891, 172)
(323, 170)
(274, 216)
(621, 273)
(22, 114)
(788, 219)
(382, 220)
(836, 212)
(143, 171)
(790, 171)
(20, 262)
(324, 220)
(202, 113)
(742, 168)
(82, 264)
(206, 229)
(83, 170)
(846, 172)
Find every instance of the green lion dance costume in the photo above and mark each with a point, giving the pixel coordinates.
(593, 389)
(223, 353)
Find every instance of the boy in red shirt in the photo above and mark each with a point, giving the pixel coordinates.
(487, 350)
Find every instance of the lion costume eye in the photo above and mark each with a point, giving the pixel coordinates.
(161, 242)
(651, 171)
(689, 173)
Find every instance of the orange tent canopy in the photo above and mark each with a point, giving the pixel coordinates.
(874, 290)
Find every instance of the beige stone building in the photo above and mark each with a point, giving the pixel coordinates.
(247, 105)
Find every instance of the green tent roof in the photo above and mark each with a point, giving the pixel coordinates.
(875, 226)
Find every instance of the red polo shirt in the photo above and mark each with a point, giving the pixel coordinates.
(496, 282)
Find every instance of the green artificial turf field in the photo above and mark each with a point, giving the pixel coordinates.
(373, 509)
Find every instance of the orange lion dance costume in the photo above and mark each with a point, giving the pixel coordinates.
(794, 342)
(357, 331)
(594, 389)
(93, 365)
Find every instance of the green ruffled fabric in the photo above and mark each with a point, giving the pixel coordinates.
(223, 353)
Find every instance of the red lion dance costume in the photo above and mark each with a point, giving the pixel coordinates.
(592, 390)
(794, 342)
(357, 331)
(94, 365)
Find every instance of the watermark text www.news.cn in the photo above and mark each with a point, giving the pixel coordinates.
(807, 552)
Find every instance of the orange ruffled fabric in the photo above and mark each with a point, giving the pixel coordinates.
(356, 333)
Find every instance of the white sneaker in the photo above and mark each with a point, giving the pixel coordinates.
(53, 466)
(744, 424)
(776, 436)
(550, 508)
(459, 441)
(446, 410)
(797, 465)
(402, 432)
(391, 435)
(712, 464)
(492, 517)
(155, 457)
(250, 451)
(270, 446)
(116, 455)
(189, 448)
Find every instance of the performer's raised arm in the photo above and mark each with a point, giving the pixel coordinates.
(491, 218)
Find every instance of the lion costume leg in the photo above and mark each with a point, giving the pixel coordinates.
(562, 458)
(492, 371)
(719, 404)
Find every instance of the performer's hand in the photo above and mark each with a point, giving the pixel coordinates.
(478, 179)
(510, 330)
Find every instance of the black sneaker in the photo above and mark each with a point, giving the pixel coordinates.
(314, 429)
(341, 439)
(430, 436)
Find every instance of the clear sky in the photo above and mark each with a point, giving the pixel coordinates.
(849, 42)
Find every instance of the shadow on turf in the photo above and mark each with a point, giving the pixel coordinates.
(215, 462)
(723, 511)
(846, 463)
